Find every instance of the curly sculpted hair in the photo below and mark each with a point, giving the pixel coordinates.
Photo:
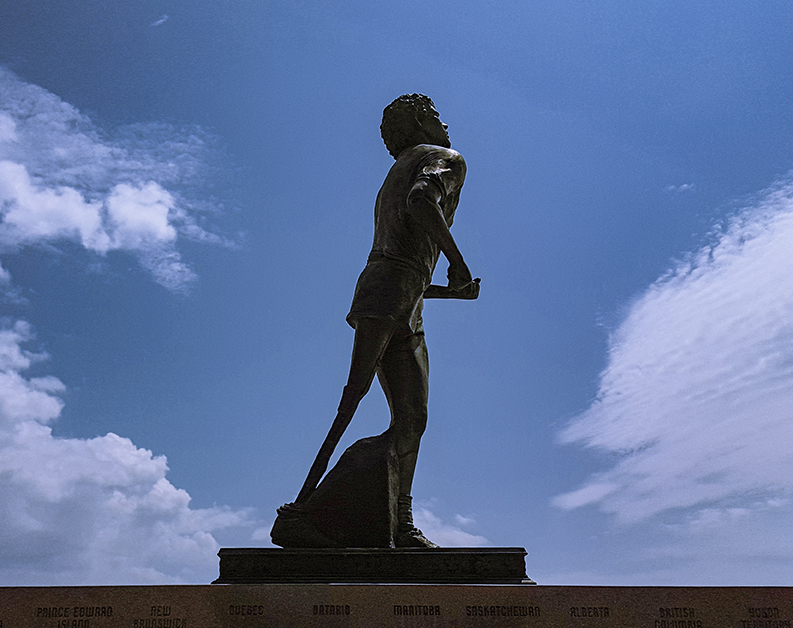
(402, 120)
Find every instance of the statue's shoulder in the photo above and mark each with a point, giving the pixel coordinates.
(430, 155)
(441, 152)
(429, 160)
(452, 156)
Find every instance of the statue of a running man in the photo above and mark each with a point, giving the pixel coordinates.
(413, 213)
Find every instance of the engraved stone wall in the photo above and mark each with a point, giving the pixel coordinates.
(252, 606)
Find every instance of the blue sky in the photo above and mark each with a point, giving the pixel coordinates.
(186, 196)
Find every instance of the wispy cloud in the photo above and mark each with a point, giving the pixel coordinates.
(696, 403)
(684, 187)
(160, 20)
(62, 179)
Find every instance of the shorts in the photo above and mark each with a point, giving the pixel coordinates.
(390, 289)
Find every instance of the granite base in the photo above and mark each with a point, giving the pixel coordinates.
(366, 605)
(491, 565)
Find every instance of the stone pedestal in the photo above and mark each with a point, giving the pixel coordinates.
(490, 565)
(397, 605)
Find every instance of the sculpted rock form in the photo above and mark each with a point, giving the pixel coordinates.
(354, 506)
(364, 501)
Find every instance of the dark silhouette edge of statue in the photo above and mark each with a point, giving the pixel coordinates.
(365, 500)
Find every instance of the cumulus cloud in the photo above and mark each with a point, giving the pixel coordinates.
(695, 405)
(96, 510)
(24, 399)
(61, 178)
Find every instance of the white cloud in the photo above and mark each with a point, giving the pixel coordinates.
(61, 178)
(464, 521)
(140, 215)
(32, 213)
(24, 399)
(696, 403)
(444, 534)
(7, 128)
(96, 510)
(684, 187)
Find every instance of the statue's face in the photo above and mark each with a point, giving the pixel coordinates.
(434, 130)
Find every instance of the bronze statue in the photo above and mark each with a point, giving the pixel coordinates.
(413, 213)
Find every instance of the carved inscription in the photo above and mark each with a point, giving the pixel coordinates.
(53, 611)
(677, 617)
(589, 612)
(417, 610)
(72, 616)
(331, 609)
(246, 610)
(502, 611)
(74, 611)
(160, 616)
(764, 617)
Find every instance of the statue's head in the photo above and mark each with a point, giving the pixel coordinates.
(410, 120)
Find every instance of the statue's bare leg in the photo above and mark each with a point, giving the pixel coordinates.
(404, 377)
(372, 336)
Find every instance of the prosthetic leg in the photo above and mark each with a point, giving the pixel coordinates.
(372, 337)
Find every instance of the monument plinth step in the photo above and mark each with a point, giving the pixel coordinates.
(489, 565)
